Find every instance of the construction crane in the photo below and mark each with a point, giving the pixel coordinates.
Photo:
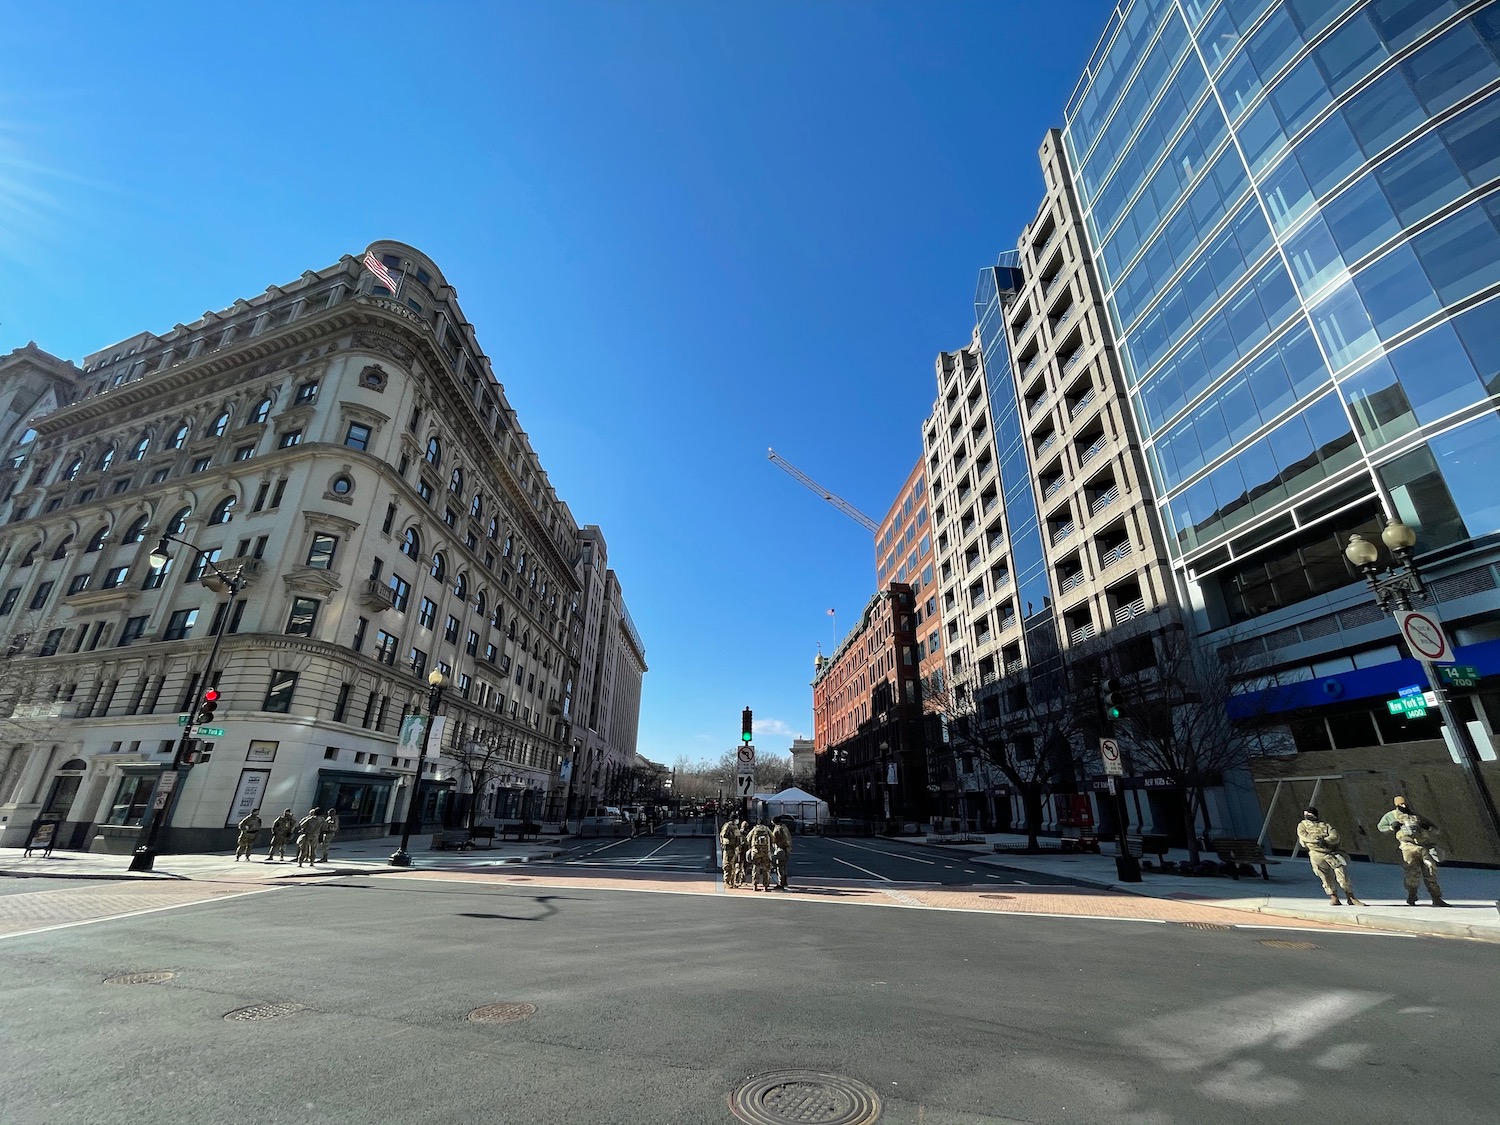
(837, 501)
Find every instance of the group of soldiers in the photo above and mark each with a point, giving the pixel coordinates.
(1416, 836)
(753, 852)
(313, 833)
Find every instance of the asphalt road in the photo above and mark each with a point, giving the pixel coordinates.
(655, 1008)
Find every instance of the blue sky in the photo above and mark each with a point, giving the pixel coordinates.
(685, 232)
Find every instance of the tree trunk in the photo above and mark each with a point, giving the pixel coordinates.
(1031, 802)
(1192, 824)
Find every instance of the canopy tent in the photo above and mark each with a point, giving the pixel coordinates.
(794, 802)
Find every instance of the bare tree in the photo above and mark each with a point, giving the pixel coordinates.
(1188, 718)
(478, 760)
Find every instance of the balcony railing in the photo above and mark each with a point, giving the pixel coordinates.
(1072, 361)
(1082, 633)
(1068, 314)
(1054, 488)
(1014, 666)
(1047, 444)
(1130, 609)
(1104, 499)
(1041, 401)
(377, 594)
(1115, 554)
(1084, 403)
(1093, 451)
(1072, 581)
(1064, 531)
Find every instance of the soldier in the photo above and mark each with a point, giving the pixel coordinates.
(758, 846)
(281, 831)
(1415, 835)
(743, 862)
(325, 837)
(1329, 863)
(729, 842)
(249, 830)
(781, 842)
(308, 831)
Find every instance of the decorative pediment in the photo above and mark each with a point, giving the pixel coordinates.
(311, 580)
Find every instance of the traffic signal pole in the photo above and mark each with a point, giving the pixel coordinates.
(1106, 695)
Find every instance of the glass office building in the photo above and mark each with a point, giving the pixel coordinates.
(1294, 211)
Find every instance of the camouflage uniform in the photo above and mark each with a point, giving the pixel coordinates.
(758, 847)
(1329, 863)
(781, 839)
(1415, 838)
(308, 831)
(325, 837)
(729, 841)
(249, 830)
(281, 831)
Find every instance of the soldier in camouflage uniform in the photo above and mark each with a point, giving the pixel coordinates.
(308, 831)
(1329, 863)
(249, 831)
(729, 842)
(758, 847)
(282, 829)
(325, 837)
(1416, 837)
(781, 842)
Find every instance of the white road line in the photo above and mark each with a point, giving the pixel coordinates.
(133, 914)
(882, 851)
(866, 870)
(970, 871)
(649, 854)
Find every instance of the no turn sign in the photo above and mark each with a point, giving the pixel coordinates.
(746, 753)
(1425, 636)
(1109, 751)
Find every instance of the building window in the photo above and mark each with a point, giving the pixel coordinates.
(464, 683)
(134, 629)
(160, 475)
(96, 543)
(434, 454)
(178, 523)
(157, 576)
(262, 411)
(39, 599)
(221, 424)
(106, 460)
(439, 566)
(49, 646)
(119, 486)
(8, 603)
(357, 436)
(320, 554)
(390, 519)
(411, 543)
(180, 624)
(424, 490)
(279, 694)
(222, 513)
(450, 517)
(386, 645)
(456, 482)
(116, 576)
(360, 626)
(244, 452)
(307, 392)
(73, 469)
(179, 438)
(289, 439)
(341, 706)
(133, 799)
(342, 485)
(136, 533)
(201, 465)
(79, 584)
(202, 563)
(471, 646)
(400, 593)
(418, 662)
(450, 630)
(427, 613)
(303, 617)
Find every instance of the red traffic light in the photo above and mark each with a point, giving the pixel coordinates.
(211, 695)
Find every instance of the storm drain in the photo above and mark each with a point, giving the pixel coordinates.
(502, 1013)
(156, 976)
(266, 1011)
(1283, 943)
(804, 1096)
(1204, 925)
(1005, 897)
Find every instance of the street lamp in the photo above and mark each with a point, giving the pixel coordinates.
(402, 858)
(1394, 590)
(144, 858)
(885, 779)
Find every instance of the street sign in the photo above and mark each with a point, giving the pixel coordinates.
(1109, 751)
(1410, 706)
(164, 788)
(1460, 675)
(208, 732)
(745, 783)
(746, 754)
(1411, 689)
(182, 720)
(1424, 634)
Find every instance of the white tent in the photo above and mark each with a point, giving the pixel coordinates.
(795, 802)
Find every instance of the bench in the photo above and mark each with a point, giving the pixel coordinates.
(456, 839)
(1237, 851)
(520, 830)
(482, 832)
(1143, 844)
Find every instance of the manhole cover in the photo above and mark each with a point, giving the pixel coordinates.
(1283, 943)
(1203, 925)
(804, 1096)
(502, 1013)
(155, 977)
(266, 1011)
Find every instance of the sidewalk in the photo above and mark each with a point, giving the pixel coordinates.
(354, 857)
(1293, 891)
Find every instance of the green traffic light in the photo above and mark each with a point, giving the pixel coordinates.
(745, 737)
(1112, 712)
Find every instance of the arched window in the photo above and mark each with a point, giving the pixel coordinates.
(62, 548)
(439, 565)
(506, 551)
(411, 543)
(480, 603)
(223, 512)
(30, 555)
(179, 437)
(27, 438)
(434, 453)
(456, 481)
(476, 507)
(137, 531)
(106, 460)
(74, 468)
(494, 526)
(178, 523)
(96, 543)
(221, 423)
(138, 450)
(460, 587)
(495, 621)
(262, 411)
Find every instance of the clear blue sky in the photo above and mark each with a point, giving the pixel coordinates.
(684, 232)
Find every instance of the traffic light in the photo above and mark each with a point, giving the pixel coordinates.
(745, 724)
(1109, 699)
(207, 707)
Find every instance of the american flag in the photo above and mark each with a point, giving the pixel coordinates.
(378, 268)
(830, 613)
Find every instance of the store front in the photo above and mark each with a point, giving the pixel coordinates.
(360, 799)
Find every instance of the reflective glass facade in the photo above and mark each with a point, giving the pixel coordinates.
(1294, 207)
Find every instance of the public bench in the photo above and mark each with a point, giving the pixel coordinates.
(454, 839)
(520, 830)
(482, 832)
(1235, 851)
(1140, 845)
